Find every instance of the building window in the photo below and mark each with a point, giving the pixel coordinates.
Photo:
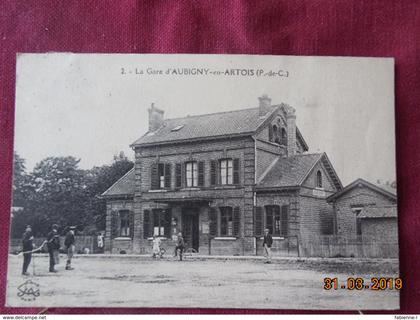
(191, 174)
(283, 140)
(226, 171)
(276, 134)
(319, 179)
(226, 221)
(124, 216)
(161, 176)
(161, 222)
(276, 220)
(357, 212)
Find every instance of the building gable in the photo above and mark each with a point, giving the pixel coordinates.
(360, 188)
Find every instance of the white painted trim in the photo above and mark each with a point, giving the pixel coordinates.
(225, 238)
(274, 238)
(161, 238)
(122, 238)
(157, 190)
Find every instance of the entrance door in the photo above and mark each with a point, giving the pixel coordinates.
(190, 230)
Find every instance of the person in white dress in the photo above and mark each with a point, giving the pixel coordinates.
(156, 246)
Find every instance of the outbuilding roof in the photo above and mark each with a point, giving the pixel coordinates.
(292, 171)
(213, 125)
(379, 212)
(125, 186)
(385, 190)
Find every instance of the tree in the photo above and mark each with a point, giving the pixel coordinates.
(99, 180)
(58, 191)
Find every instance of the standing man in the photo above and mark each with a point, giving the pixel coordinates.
(53, 244)
(69, 243)
(27, 247)
(267, 243)
(180, 245)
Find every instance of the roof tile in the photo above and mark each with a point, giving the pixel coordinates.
(207, 125)
(290, 171)
(124, 186)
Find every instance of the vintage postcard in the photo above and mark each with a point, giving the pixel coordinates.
(204, 181)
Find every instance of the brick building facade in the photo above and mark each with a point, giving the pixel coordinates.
(367, 211)
(220, 179)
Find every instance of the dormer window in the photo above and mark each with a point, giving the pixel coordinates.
(177, 128)
(319, 179)
(283, 136)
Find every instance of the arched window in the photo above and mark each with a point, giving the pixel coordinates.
(276, 134)
(283, 136)
(319, 179)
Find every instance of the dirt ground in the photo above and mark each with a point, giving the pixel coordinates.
(115, 281)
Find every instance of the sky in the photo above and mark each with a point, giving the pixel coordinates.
(92, 106)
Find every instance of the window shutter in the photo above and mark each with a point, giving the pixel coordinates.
(146, 224)
(154, 176)
(284, 220)
(167, 175)
(236, 165)
(236, 221)
(167, 226)
(258, 222)
(131, 222)
(213, 172)
(114, 224)
(213, 222)
(178, 175)
(201, 173)
(183, 178)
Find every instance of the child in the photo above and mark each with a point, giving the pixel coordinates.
(156, 246)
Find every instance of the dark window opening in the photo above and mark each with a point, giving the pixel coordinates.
(124, 216)
(161, 222)
(226, 221)
(283, 140)
(319, 179)
(358, 221)
(277, 220)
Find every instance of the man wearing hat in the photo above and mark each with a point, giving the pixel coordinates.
(267, 243)
(53, 244)
(69, 243)
(27, 247)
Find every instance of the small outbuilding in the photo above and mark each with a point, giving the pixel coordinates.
(366, 214)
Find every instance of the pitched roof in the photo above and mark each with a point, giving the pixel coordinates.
(388, 191)
(125, 186)
(292, 171)
(379, 212)
(231, 123)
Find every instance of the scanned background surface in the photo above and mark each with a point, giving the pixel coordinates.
(360, 28)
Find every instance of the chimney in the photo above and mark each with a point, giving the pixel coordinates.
(291, 132)
(155, 118)
(265, 104)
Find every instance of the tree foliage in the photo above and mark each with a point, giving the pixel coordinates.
(58, 191)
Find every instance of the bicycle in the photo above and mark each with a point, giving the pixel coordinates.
(188, 252)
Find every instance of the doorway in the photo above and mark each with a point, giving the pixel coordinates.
(190, 230)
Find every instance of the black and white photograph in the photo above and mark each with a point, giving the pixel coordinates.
(204, 181)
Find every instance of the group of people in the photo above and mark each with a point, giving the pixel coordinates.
(53, 245)
(180, 246)
(157, 251)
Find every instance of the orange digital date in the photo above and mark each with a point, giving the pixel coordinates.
(376, 283)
